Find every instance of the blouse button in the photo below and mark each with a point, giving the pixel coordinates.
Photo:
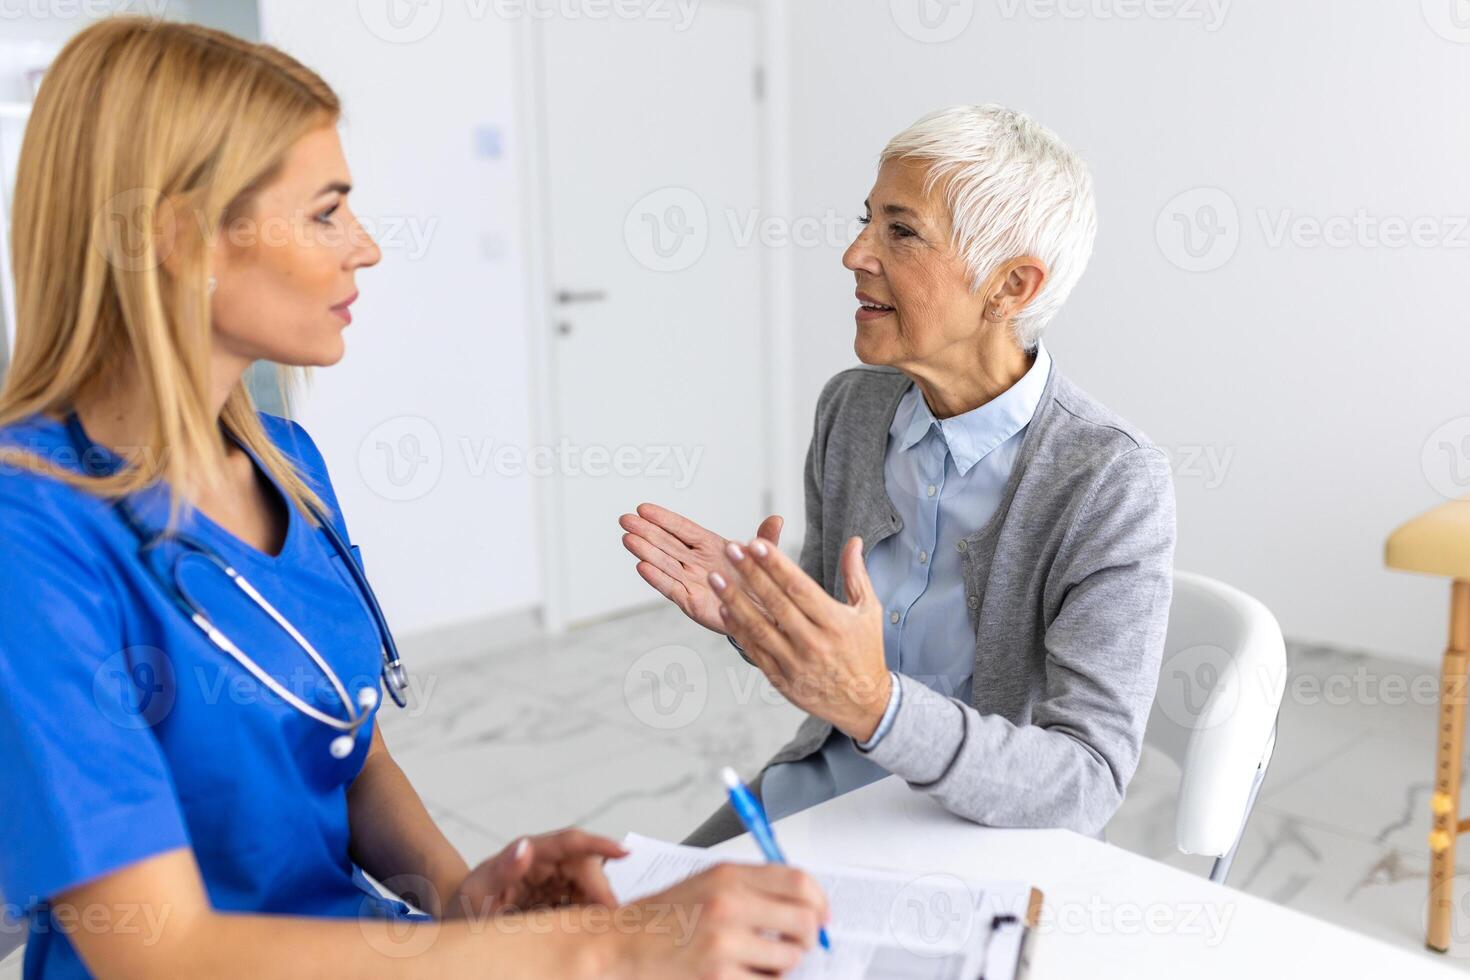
(893, 618)
(932, 489)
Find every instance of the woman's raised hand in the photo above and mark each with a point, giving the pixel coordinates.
(824, 655)
(676, 555)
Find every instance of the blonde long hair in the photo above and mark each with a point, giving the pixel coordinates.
(146, 139)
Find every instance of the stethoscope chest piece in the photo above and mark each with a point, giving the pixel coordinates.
(342, 745)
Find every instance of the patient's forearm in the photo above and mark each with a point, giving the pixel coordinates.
(987, 769)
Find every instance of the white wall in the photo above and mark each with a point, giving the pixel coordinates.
(31, 33)
(53, 22)
(437, 350)
(1300, 388)
(1319, 373)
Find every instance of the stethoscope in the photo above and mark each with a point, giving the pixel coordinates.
(359, 711)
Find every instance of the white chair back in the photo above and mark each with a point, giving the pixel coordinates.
(1220, 686)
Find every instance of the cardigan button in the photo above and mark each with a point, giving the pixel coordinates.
(960, 545)
(974, 602)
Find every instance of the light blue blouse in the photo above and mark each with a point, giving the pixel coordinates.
(945, 478)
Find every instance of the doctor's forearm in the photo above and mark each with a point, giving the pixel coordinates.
(394, 837)
(227, 945)
(558, 944)
(165, 927)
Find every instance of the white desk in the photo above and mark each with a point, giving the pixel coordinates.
(1107, 912)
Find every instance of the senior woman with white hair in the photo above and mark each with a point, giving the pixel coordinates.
(984, 585)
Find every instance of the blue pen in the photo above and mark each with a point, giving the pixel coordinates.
(753, 816)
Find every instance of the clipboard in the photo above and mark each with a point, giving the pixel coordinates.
(993, 922)
(1008, 951)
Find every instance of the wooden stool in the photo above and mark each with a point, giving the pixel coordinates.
(1438, 543)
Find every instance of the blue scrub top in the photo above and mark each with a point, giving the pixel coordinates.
(125, 733)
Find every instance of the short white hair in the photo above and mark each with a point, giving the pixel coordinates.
(1014, 189)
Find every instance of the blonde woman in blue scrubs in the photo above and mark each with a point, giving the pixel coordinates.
(181, 212)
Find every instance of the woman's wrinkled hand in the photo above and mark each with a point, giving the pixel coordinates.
(824, 656)
(676, 556)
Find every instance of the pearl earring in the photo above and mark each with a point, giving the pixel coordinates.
(212, 284)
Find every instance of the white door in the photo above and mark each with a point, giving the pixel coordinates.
(652, 157)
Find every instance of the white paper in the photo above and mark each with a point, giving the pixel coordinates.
(884, 924)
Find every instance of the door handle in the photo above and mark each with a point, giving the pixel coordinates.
(580, 296)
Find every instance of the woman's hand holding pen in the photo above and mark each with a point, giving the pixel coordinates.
(824, 656)
(676, 556)
(733, 920)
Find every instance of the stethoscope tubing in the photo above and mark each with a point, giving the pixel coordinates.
(359, 712)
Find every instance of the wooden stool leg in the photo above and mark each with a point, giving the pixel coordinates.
(1445, 802)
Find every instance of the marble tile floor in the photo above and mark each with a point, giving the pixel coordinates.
(625, 724)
